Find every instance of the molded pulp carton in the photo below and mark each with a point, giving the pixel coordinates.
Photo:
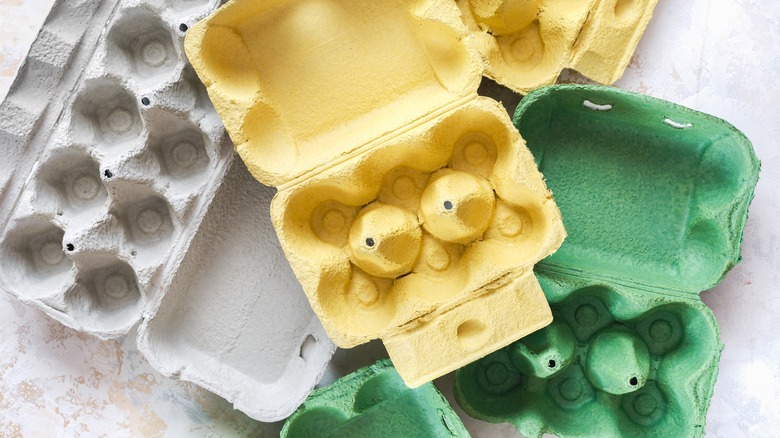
(408, 206)
(112, 155)
(526, 43)
(374, 401)
(655, 198)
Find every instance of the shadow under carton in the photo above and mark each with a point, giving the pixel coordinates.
(408, 206)
(655, 198)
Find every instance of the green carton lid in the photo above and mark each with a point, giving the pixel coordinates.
(374, 402)
(651, 193)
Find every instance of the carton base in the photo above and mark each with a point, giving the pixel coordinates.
(474, 329)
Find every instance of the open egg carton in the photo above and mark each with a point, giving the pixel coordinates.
(525, 44)
(408, 206)
(374, 401)
(655, 199)
(122, 195)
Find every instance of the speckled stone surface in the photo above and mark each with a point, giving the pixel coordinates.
(716, 56)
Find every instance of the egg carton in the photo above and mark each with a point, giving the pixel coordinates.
(374, 401)
(525, 44)
(408, 206)
(113, 156)
(655, 198)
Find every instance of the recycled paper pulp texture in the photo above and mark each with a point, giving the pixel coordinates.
(655, 198)
(112, 155)
(525, 44)
(374, 401)
(408, 207)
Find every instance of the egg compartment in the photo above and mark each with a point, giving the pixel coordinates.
(80, 274)
(89, 183)
(41, 89)
(616, 361)
(433, 211)
(106, 114)
(150, 225)
(106, 298)
(142, 46)
(131, 152)
(33, 257)
(178, 157)
(655, 198)
(353, 140)
(69, 183)
(112, 177)
(374, 401)
(525, 44)
(65, 198)
(78, 233)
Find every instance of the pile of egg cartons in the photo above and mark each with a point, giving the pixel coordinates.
(408, 207)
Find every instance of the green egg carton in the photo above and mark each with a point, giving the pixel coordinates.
(374, 402)
(655, 198)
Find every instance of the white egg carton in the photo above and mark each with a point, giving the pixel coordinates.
(122, 201)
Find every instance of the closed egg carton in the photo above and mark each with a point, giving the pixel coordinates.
(374, 401)
(525, 44)
(655, 199)
(113, 155)
(408, 207)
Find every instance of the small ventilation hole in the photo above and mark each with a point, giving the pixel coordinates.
(108, 173)
(447, 205)
(633, 381)
(70, 247)
(370, 242)
(183, 27)
(551, 363)
(145, 101)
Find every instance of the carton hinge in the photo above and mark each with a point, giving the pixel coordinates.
(594, 277)
(379, 141)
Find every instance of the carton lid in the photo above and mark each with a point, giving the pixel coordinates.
(651, 193)
(235, 320)
(374, 401)
(301, 84)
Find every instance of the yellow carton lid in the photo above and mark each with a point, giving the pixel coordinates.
(265, 64)
(525, 44)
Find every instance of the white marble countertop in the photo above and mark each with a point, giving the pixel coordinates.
(717, 56)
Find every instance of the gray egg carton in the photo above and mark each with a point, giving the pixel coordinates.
(122, 201)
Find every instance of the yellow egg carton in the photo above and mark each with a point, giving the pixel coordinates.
(525, 44)
(408, 207)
